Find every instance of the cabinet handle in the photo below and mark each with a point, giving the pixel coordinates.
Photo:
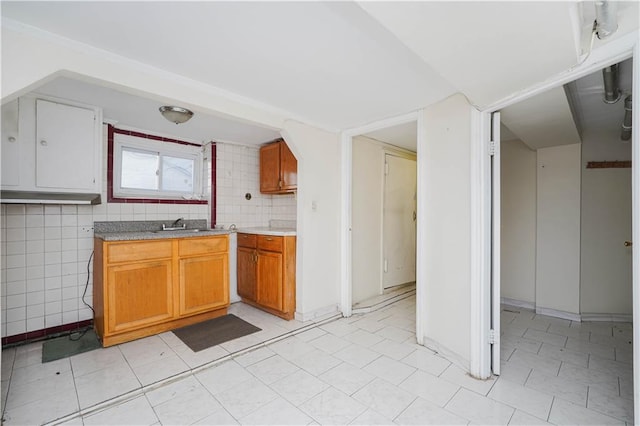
(269, 239)
(43, 142)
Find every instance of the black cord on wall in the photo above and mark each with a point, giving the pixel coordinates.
(86, 286)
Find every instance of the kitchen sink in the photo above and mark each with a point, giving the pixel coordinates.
(169, 231)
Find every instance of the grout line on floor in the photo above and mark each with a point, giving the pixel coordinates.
(143, 389)
(384, 303)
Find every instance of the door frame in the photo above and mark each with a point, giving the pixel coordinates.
(616, 51)
(346, 283)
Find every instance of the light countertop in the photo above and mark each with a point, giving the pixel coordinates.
(157, 235)
(269, 230)
(152, 230)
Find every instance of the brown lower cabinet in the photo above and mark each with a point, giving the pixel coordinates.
(146, 287)
(266, 273)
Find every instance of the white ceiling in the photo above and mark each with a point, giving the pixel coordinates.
(328, 62)
(560, 117)
(128, 110)
(403, 135)
(336, 65)
(487, 50)
(542, 121)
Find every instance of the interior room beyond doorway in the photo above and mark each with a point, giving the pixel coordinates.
(384, 212)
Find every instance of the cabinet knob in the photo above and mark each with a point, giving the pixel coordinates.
(43, 142)
(12, 139)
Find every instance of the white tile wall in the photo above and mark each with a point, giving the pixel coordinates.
(44, 250)
(238, 174)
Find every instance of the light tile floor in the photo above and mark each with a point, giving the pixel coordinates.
(366, 369)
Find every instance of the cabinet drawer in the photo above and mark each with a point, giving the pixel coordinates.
(190, 246)
(140, 250)
(270, 243)
(247, 240)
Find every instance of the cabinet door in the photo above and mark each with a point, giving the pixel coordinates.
(247, 273)
(204, 283)
(269, 287)
(139, 294)
(10, 148)
(288, 168)
(65, 146)
(270, 168)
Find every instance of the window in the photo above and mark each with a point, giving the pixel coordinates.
(149, 168)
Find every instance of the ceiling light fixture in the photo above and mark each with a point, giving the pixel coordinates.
(176, 114)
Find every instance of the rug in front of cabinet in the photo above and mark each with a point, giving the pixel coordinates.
(73, 344)
(215, 331)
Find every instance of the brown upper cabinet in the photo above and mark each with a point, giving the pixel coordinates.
(278, 169)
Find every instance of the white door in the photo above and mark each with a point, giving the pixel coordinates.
(495, 243)
(399, 221)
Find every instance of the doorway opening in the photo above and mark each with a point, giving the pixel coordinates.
(384, 213)
(565, 230)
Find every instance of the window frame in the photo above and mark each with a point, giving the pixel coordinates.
(119, 139)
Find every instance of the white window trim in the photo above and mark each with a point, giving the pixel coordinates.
(121, 141)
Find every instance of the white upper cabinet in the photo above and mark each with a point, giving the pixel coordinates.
(59, 147)
(65, 146)
(10, 146)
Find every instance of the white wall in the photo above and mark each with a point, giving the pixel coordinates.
(366, 219)
(558, 231)
(446, 191)
(518, 227)
(319, 211)
(605, 223)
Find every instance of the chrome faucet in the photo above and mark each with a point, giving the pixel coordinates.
(174, 226)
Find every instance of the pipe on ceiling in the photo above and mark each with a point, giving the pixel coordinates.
(626, 123)
(606, 18)
(612, 92)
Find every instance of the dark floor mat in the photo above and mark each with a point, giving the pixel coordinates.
(65, 346)
(215, 331)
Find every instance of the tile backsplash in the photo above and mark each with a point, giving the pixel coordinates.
(45, 249)
(238, 174)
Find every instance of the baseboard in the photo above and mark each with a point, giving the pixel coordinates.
(566, 315)
(517, 303)
(558, 314)
(608, 317)
(318, 314)
(450, 355)
(33, 336)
